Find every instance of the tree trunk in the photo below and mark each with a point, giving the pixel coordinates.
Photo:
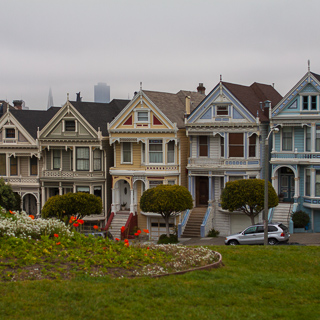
(252, 219)
(167, 226)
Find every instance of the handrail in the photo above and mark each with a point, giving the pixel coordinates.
(126, 231)
(183, 223)
(108, 222)
(204, 222)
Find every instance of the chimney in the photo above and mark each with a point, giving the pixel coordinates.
(18, 104)
(188, 105)
(201, 89)
(267, 108)
(79, 98)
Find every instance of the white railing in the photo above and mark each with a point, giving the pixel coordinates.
(21, 180)
(206, 225)
(71, 174)
(182, 225)
(228, 163)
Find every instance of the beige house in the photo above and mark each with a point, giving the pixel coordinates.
(150, 148)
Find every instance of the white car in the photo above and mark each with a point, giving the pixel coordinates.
(277, 232)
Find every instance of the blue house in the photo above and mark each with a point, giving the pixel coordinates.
(295, 156)
(225, 131)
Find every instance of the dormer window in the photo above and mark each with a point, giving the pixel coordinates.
(309, 103)
(70, 125)
(222, 110)
(10, 133)
(143, 116)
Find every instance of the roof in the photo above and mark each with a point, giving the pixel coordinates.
(317, 76)
(251, 96)
(173, 105)
(31, 120)
(99, 114)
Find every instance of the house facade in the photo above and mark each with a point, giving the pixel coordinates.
(295, 156)
(226, 133)
(150, 148)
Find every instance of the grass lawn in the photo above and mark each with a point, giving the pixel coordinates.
(278, 282)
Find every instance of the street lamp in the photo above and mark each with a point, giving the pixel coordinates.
(266, 179)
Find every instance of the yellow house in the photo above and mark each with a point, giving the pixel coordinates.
(150, 148)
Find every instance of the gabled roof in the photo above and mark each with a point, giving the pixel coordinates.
(31, 120)
(251, 96)
(173, 105)
(317, 76)
(99, 114)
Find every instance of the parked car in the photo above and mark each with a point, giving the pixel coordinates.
(277, 232)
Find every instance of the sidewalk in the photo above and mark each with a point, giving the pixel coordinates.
(309, 239)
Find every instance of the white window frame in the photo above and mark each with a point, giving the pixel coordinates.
(137, 111)
(172, 151)
(154, 183)
(162, 150)
(292, 138)
(53, 151)
(309, 96)
(222, 106)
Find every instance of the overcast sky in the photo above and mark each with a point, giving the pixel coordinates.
(168, 45)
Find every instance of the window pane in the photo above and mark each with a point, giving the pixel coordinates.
(236, 145)
(56, 159)
(305, 103)
(222, 146)
(13, 166)
(287, 139)
(2, 164)
(97, 191)
(155, 151)
(70, 125)
(313, 102)
(203, 146)
(307, 182)
(97, 160)
(222, 110)
(10, 133)
(318, 138)
(83, 162)
(252, 145)
(170, 154)
(143, 116)
(83, 189)
(33, 166)
(317, 183)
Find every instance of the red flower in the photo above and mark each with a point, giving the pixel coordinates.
(139, 231)
(58, 243)
(11, 212)
(126, 241)
(56, 235)
(136, 234)
(146, 230)
(95, 227)
(76, 225)
(80, 221)
(148, 248)
(117, 239)
(123, 228)
(127, 244)
(31, 216)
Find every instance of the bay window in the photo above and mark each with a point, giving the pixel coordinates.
(155, 151)
(82, 159)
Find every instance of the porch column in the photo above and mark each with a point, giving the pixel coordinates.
(210, 191)
(113, 207)
(60, 188)
(38, 208)
(296, 189)
(312, 182)
(131, 201)
(43, 196)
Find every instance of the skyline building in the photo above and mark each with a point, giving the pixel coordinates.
(101, 93)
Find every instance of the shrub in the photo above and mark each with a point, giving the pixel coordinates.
(72, 204)
(213, 233)
(164, 239)
(300, 219)
(8, 199)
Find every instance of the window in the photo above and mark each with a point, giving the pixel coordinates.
(307, 184)
(3, 164)
(97, 160)
(154, 183)
(234, 178)
(287, 139)
(171, 182)
(222, 146)
(143, 116)
(56, 159)
(33, 166)
(126, 152)
(250, 230)
(143, 151)
(317, 138)
(13, 166)
(317, 192)
(155, 151)
(222, 111)
(10, 133)
(252, 146)
(97, 191)
(236, 145)
(170, 155)
(83, 189)
(83, 160)
(308, 139)
(309, 103)
(203, 146)
(70, 125)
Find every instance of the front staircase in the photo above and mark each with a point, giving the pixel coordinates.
(118, 221)
(281, 213)
(193, 227)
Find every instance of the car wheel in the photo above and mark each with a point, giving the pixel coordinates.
(272, 241)
(233, 242)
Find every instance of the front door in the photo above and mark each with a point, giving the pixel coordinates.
(202, 192)
(287, 184)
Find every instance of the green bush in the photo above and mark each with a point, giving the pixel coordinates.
(72, 204)
(213, 233)
(8, 199)
(163, 239)
(300, 219)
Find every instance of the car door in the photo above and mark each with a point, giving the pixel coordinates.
(259, 235)
(248, 236)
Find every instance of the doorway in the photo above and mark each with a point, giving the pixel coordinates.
(287, 184)
(202, 191)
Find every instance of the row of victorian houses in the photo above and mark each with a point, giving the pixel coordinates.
(118, 150)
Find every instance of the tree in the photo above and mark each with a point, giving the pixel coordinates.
(8, 199)
(248, 196)
(72, 204)
(167, 200)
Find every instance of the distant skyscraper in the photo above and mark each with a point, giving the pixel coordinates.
(50, 99)
(102, 93)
